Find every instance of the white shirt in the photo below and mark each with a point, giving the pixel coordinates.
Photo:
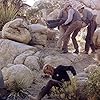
(70, 16)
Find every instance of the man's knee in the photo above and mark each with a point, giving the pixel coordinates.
(73, 37)
(50, 82)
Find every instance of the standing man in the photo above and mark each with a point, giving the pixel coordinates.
(89, 19)
(63, 16)
(74, 25)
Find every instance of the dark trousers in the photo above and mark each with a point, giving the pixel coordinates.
(89, 38)
(73, 29)
(46, 89)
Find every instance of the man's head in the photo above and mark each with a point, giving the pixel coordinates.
(80, 8)
(48, 69)
(67, 6)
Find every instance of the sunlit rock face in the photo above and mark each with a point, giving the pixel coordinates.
(18, 76)
(96, 38)
(11, 52)
(40, 34)
(13, 31)
(54, 14)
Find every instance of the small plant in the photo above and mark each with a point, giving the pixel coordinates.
(66, 92)
(93, 86)
(9, 9)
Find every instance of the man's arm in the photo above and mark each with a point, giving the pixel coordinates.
(70, 16)
(60, 15)
(69, 68)
(84, 15)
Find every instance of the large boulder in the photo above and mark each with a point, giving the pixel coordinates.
(18, 77)
(11, 51)
(53, 15)
(40, 34)
(32, 62)
(96, 38)
(97, 56)
(39, 39)
(56, 60)
(37, 28)
(13, 30)
(78, 61)
(20, 59)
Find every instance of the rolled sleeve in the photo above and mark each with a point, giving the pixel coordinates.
(85, 14)
(70, 16)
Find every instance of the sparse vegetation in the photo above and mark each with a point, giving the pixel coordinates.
(66, 92)
(9, 9)
(93, 86)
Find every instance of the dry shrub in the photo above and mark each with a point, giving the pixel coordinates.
(9, 9)
(66, 92)
(93, 85)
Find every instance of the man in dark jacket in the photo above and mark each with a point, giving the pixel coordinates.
(58, 74)
(89, 19)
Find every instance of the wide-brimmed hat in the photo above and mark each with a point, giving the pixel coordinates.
(80, 7)
(66, 5)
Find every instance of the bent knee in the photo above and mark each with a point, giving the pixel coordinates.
(73, 37)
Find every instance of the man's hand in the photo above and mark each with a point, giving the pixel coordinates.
(64, 24)
(84, 24)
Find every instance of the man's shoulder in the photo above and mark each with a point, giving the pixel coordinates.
(71, 10)
(86, 10)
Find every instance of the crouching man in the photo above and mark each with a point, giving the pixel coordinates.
(58, 74)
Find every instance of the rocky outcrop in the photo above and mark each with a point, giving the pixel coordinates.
(14, 52)
(56, 60)
(53, 15)
(96, 38)
(40, 34)
(39, 39)
(32, 62)
(78, 61)
(16, 30)
(38, 28)
(18, 76)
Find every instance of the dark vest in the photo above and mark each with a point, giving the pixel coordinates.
(62, 18)
(76, 16)
(89, 16)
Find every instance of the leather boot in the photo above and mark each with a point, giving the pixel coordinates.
(76, 51)
(64, 50)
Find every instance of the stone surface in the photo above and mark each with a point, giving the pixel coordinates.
(40, 34)
(13, 31)
(32, 62)
(18, 76)
(96, 38)
(39, 39)
(10, 51)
